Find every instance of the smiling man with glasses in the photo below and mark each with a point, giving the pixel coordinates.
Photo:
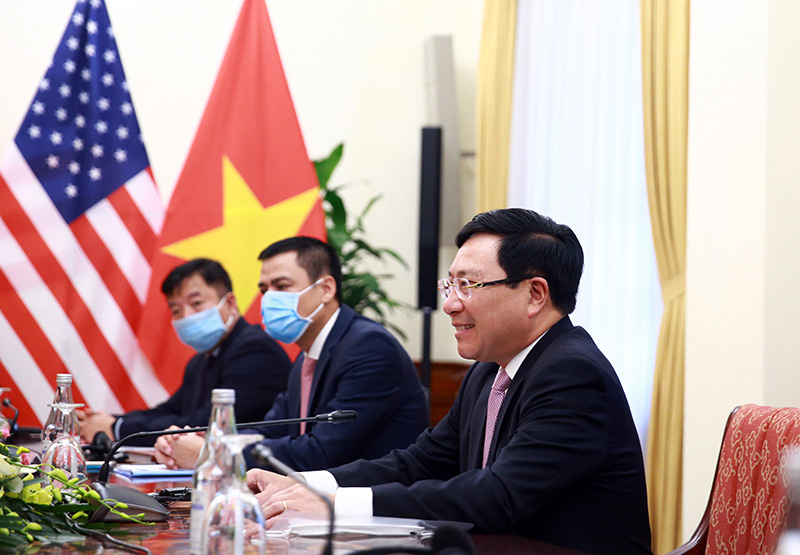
(540, 440)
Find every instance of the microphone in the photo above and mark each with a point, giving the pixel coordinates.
(447, 539)
(12, 424)
(264, 454)
(14, 427)
(335, 417)
(141, 502)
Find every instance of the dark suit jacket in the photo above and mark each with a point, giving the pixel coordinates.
(565, 466)
(248, 361)
(362, 367)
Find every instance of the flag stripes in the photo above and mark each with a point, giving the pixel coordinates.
(17, 366)
(49, 320)
(79, 218)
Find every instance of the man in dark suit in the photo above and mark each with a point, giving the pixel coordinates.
(347, 362)
(540, 440)
(231, 354)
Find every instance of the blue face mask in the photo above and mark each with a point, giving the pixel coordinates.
(203, 330)
(280, 317)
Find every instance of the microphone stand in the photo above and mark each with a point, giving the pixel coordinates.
(265, 455)
(139, 500)
(335, 417)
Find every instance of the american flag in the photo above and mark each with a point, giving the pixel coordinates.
(79, 217)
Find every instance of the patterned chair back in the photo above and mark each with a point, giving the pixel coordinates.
(749, 502)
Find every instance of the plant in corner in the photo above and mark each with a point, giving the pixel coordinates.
(39, 503)
(361, 290)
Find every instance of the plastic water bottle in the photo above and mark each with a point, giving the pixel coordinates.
(63, 395)
(208, 470)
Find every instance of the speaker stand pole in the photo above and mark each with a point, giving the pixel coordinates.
(425, 364)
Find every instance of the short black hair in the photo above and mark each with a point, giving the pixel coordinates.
(533, 244)
(211, 271)
(314, 256)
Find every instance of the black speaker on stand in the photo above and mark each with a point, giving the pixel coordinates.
(429, 213)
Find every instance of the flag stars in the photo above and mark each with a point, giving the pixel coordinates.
(91, 27)
(97, 150)
(74, 168)
(38, 108)
(64, 91)
(86, 74)
(44, 85)
(84, 97)
(56, 138)
(122, 133)
(69, 66)
(90, 50)
(77, 19)
(95, 174)
(95, 3)
(120, 155)
(77, 144)
(103, 104)
(126, 108)
(61, 114)
(101, 127)
(108, 79)
(34, 132)
(80, 121)
(71, 190)
(72, 43)
(109, 56)
(52, 161)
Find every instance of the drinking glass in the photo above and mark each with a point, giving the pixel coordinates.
(65, 451)
(234, 523)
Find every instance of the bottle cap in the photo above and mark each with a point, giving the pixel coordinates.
(63, 379)
(223, 396)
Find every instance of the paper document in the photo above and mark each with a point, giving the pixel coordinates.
(151, 471)
(368, 526)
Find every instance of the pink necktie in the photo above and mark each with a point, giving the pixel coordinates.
(306, 377)
(496, 396)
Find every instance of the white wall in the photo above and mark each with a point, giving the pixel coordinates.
(742, 297)
(355, 70)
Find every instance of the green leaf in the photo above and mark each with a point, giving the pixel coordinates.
(367, 208)
(325, 167)
(361, 290)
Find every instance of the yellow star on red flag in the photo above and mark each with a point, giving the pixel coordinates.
(247, 228)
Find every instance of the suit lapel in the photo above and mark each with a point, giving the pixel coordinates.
(346, 315)
(559, 328)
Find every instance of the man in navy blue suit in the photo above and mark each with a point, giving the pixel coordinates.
(231, 354)
(347, 362)
(540, 440)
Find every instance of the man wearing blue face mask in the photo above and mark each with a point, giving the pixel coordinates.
(231, 354)
(348, 362)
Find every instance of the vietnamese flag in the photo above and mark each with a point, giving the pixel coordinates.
(246, 183)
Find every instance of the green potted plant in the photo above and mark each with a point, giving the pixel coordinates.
(361, 290)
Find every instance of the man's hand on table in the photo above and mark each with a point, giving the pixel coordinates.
(92, 422)
(278, 494)
(178, 450)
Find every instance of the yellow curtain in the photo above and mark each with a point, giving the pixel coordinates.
(665, 72)
(495, 83)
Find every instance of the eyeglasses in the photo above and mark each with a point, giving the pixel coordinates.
(463, 287)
